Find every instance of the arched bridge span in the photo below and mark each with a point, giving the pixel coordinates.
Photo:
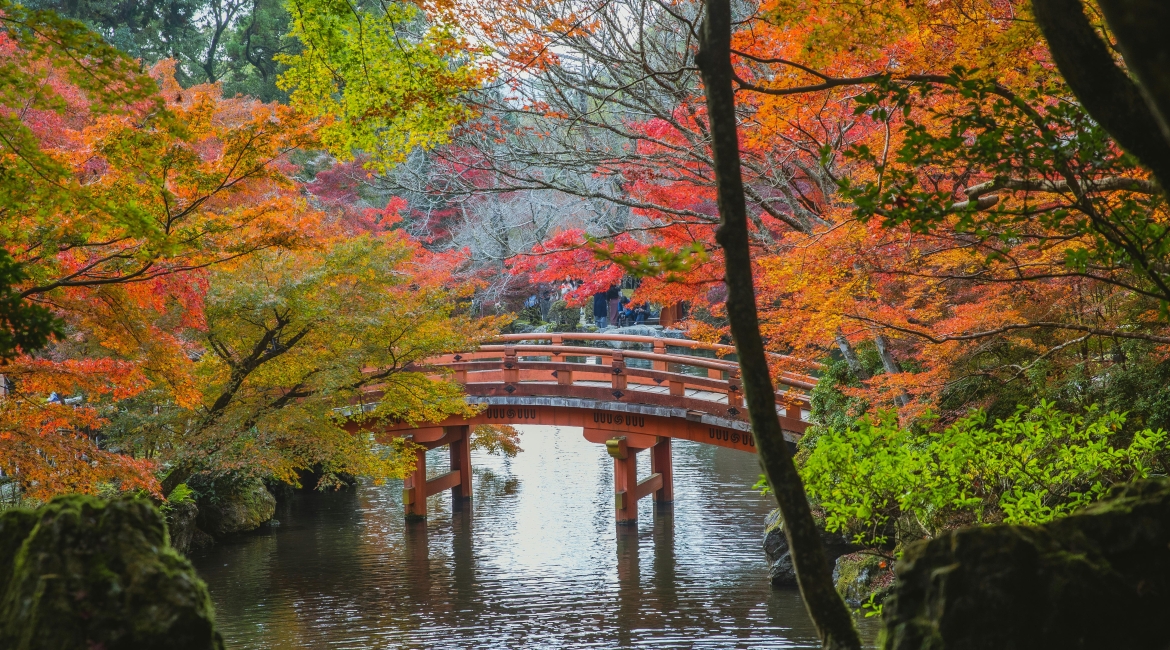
(629, 393)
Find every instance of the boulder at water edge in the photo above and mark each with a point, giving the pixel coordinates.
(244, 507)
(83, 572)
(1096, 579)
(781, 572)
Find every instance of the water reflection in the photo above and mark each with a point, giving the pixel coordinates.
(536, 562)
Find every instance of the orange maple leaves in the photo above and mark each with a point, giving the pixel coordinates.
(142, 198)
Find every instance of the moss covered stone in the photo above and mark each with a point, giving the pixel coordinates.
(243, 507)
(181, 525)
(1097, 579)
(90, 573)
(15, 525)
(861, 575)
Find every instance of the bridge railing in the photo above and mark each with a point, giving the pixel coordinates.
(525, 368)
(659, 345)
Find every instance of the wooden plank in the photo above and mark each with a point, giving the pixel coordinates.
(652, 483)
(443, 482)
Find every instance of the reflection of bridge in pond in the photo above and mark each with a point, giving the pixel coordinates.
(629, 400)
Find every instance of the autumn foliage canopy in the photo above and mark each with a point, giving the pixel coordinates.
(937, 225)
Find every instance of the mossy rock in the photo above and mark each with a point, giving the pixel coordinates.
(181, 525)
(861, 575)
(82, 572)
(243, 507)
(1097, 579)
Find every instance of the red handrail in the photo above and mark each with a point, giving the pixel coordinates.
(787, 379)
(682, 343)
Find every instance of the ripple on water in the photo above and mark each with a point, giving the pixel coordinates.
(536, 563)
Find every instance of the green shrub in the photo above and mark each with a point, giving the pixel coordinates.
(1032, 467)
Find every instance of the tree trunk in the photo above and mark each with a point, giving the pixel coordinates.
(178, 474)
(1142, 29)
(891, 366)
(814, 574)
(1108, 94)
(851, 358)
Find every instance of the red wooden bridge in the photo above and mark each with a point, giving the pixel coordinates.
(630, 400)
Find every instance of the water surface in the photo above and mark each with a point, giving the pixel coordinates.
(536, 562)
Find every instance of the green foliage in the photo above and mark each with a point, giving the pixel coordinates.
(150, 30)
(761, 485)
(1137, 385)
(23, 326)
(1119, 375)
(253, 47)
(831, 407)
(232, 41)
(563, 317)
(1037, 465)
(653, 262)
(387, 81)
(872, 607)
(181, 494)
(1078, 185)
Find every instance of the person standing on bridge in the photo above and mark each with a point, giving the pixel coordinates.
(600, 310)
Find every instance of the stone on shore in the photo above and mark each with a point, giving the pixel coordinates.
(82, 572)
(244, 507)
(1097, 579)
(781, 571)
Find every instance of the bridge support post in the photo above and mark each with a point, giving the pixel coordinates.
(627, 489)
(661, 463)
(414, 491)
(625, 480)
(416, 488)
(460, 447)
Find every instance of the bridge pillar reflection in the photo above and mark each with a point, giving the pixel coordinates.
(416, 487)
(628, 490)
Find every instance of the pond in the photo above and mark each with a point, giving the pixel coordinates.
(535, 562)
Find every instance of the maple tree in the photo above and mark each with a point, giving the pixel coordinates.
(293, 339)
(386, 78)
(141, 214)
(119, 190)
(1010, 256)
